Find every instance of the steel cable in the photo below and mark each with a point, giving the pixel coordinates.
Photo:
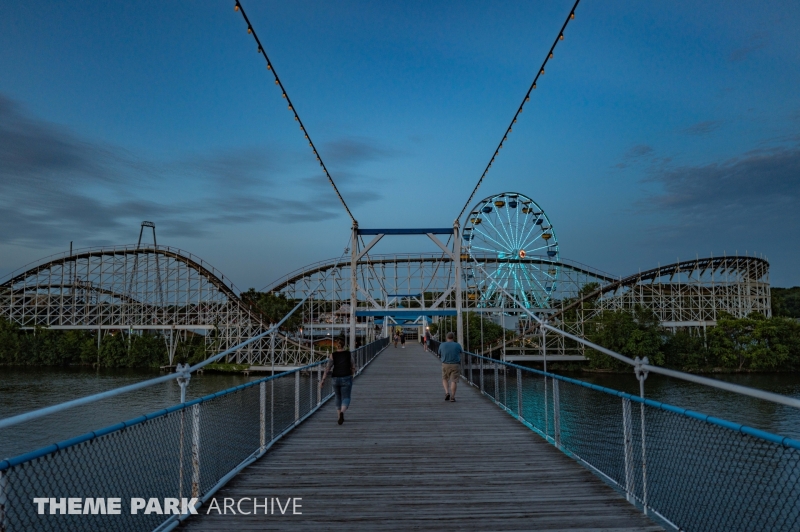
(278, 82)
(527, 97)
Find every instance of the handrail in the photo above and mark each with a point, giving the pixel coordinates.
(37, 453)
(643, 365)
(744, 429)
(183, 373)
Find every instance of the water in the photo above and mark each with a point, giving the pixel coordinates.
(26, 389)
(778, 419)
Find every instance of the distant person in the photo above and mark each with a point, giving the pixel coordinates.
(342, 367)
(402, 339)
(450, 352)
(427, 340)
(396, 339)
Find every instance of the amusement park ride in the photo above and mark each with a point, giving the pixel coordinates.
(501, 261)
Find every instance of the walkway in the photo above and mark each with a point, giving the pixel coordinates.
(407, 460)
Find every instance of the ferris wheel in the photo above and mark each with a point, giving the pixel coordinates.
(511, 238)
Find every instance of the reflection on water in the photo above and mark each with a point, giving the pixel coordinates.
(778, 419)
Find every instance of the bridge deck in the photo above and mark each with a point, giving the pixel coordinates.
(407, 460)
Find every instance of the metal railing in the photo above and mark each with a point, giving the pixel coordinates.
(687, 470)
(184, 453)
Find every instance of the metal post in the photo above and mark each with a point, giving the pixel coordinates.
(481, 373)
(319, 380)
(353, 285)
(457, 259)
(183, 380)
(311, 389)
(262, 393)
(272, 389)
(556, 414)
(544, 359)
(196, 450)
(519, 393)
(496, 382)
(296, 396)
(627, 437)
(641, 374)
(505, 386)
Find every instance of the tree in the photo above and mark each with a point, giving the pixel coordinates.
(274, 307)
(634, 334)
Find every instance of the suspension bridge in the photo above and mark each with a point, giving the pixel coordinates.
(521, 449)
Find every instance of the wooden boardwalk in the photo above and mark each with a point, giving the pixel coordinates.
(407, 460)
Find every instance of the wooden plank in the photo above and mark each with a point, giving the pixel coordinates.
(407, 460)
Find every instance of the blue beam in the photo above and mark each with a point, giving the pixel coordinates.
(406, 313)
(435, 231)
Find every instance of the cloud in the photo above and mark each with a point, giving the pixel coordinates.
(36, 155)
(749, 198)
(757, 41)
(56, 186)
(634, 154)
(703, 128)
(354, 150)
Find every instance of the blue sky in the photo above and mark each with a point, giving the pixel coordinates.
(661, 130)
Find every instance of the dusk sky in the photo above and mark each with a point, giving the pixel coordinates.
(661, 130)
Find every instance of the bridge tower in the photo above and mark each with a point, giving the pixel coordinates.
(357, 252)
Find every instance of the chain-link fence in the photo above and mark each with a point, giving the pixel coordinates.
(187, 451)
(688, 470)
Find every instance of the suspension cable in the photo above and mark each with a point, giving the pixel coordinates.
(278, 82)
(527, 98)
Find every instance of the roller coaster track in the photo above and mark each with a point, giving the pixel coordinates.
(374, 260)
(753, 267)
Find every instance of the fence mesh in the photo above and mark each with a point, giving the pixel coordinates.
(181, 452)
(688, 470)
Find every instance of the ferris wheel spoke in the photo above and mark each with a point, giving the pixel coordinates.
(504, 227)
(487, 237)
(534, 279)
(525, 238)
(533, 241)
(522, 288)
(507, 227)
(498, 233)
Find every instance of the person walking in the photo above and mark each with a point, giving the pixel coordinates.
(427, 339)
(450, 353)
(342, 367)
(396, 339)
(402, 339)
